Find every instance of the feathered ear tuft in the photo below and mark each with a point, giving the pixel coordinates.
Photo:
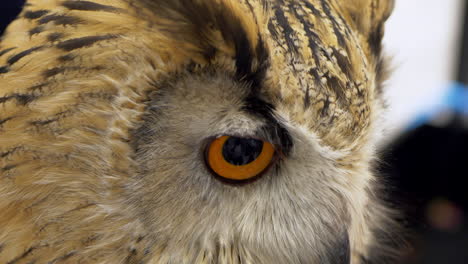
(369, 17)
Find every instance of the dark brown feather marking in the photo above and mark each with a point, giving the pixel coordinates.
(85, 206)
(343, 62)
(337, 86)
(22, 54)
(54, 71)
(63, 258)
(38, 87)
(274, 33)
(3, 52)
(3, 121)
(89, 6)
(76, 43)
(6, 154)
(4, 69)
(336, 28)
(57, 70)
(315, 73)
(54, 36)
(35, 14)
(44, 122)
(326, 107)
(9, 167)
(313, 38)
(65, 58)
(22, 256)
(288, 31)
(22, 99)
(307, 98)
(60, 20)
(312, 8)
(36, 30)
(375, 40)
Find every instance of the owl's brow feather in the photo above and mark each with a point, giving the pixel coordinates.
(280, 136)
(196, 21)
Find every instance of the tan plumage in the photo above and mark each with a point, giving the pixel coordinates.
(106, 104)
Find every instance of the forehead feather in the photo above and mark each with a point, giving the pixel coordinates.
(312, 58)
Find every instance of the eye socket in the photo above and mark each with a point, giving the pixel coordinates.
(239, 159)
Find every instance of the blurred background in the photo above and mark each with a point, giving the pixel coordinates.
(425, 153)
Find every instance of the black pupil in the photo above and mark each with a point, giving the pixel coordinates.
(241, 151)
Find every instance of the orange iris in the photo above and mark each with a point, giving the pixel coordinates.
(238, 158)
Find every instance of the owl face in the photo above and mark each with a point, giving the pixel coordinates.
(188, 206)
(185, 131)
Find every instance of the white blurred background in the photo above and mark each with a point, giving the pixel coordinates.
(423, 38)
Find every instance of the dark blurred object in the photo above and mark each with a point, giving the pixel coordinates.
(9, 9)
(429, 166)
(438, 158)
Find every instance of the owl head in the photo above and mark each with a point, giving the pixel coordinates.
(259, 147)
(206, 131)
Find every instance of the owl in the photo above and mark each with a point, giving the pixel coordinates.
(193, 131)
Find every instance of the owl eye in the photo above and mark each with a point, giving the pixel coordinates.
(238, 159)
